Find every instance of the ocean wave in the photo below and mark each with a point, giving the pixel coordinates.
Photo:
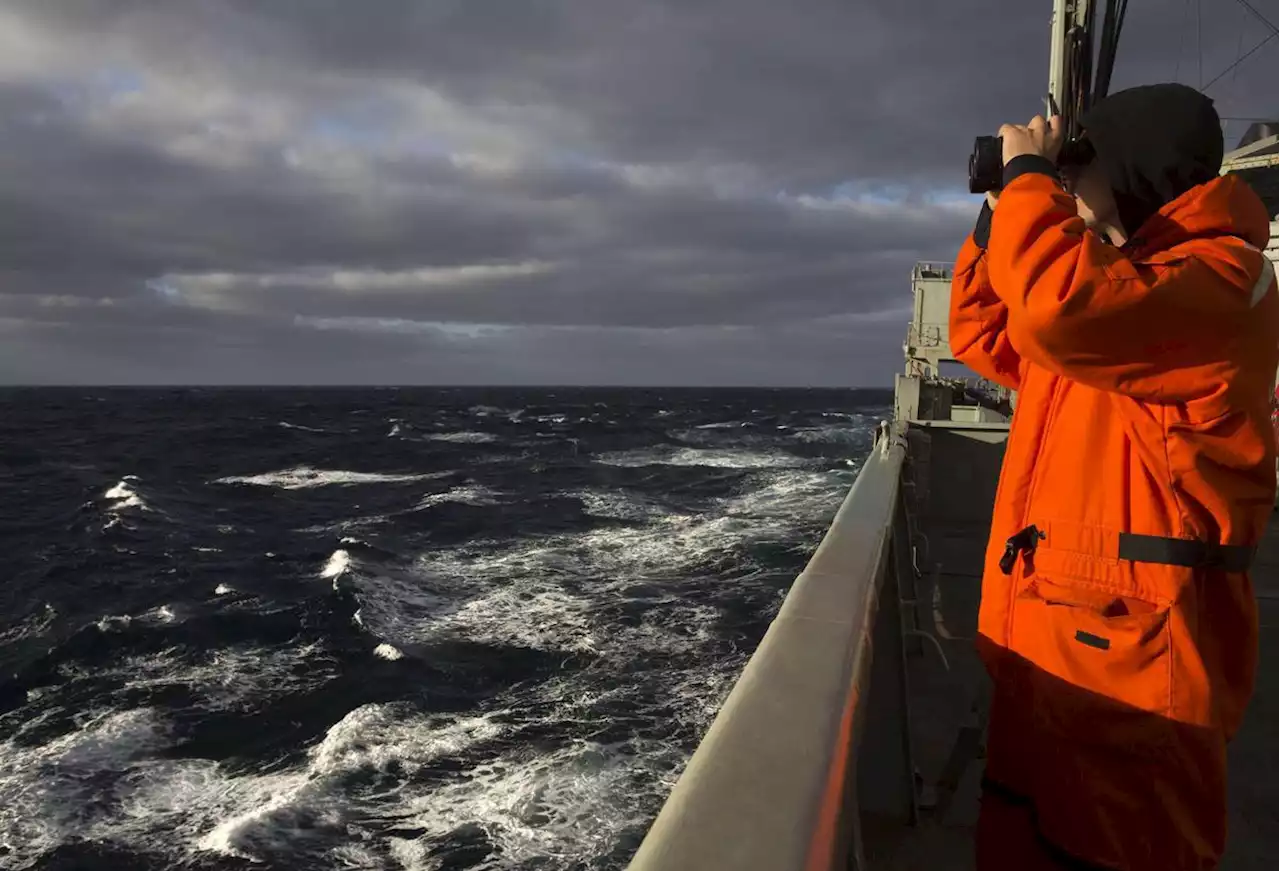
(125, 495)
(388, 651)
(555, 592)
(618, 504)
(515, 682)
(552, 804)
(724, 459)
(265, 813)
(491, 410)
(338, 564)
(110, 781)
(55, 791)
(471, 494)
(670, 542)
(302, 477)
(31, 626)
(222, 679)
(554, 807)
(838, 434)
(463, 438)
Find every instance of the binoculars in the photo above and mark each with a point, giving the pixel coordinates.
(986, 163)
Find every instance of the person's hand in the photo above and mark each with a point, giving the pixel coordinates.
(992, 196)
(1037, 137)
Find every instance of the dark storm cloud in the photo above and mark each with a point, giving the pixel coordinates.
(810, 93)
(718, 192)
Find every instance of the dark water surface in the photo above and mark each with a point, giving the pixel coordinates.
(413, 628)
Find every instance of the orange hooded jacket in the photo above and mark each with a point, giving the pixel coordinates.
(1143, 376)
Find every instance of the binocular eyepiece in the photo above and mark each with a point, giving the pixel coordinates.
(986, 163)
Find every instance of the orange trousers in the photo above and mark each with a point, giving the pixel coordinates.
(1007, 839)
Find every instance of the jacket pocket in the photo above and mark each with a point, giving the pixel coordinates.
(1094, 666)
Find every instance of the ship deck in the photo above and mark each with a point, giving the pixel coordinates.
(943, 701)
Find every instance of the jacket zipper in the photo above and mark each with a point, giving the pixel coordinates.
(1055, 399)
(1055, 403)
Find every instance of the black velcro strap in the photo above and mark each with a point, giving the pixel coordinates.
(1186, 552)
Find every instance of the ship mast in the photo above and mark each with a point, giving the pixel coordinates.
(1075, 82)
(1071, 60)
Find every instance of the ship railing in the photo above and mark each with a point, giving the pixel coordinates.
(815, 731)
(982, 385)
(930, 269)
(928, 335)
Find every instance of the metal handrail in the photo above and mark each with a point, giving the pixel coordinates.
(931, 269)
(928, 335)
(772, 786)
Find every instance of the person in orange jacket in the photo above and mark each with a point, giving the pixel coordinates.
(1129, 304)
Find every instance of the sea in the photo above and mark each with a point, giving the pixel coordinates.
(417, 628)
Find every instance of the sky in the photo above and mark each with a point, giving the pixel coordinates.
(650, 192)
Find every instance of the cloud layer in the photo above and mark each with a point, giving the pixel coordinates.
(727, 192)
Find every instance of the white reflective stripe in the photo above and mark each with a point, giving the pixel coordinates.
(1266, 278)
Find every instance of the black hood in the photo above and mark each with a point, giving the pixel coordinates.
(1155, 143)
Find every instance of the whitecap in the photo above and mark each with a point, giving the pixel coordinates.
(618, 504)
(267, 811)
(724, 459)
(464, 495)
(337, 566)
(388, 651)
(832, 434)
(51, 792)
(162, 614)
(123, 495)
(303, 477)
(114, 623)
(553, 808)
(531, 592)
(463, 438)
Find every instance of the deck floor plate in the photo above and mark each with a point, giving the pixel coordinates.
(1254, 756)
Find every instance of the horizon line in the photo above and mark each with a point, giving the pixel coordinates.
(374, 386)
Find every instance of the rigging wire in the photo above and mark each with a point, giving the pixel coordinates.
(1113, 22)
(1275, 32)
(1257, 14)
(1246, 56)
(1239, 50)
(1109, 45)
(1182, 40)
